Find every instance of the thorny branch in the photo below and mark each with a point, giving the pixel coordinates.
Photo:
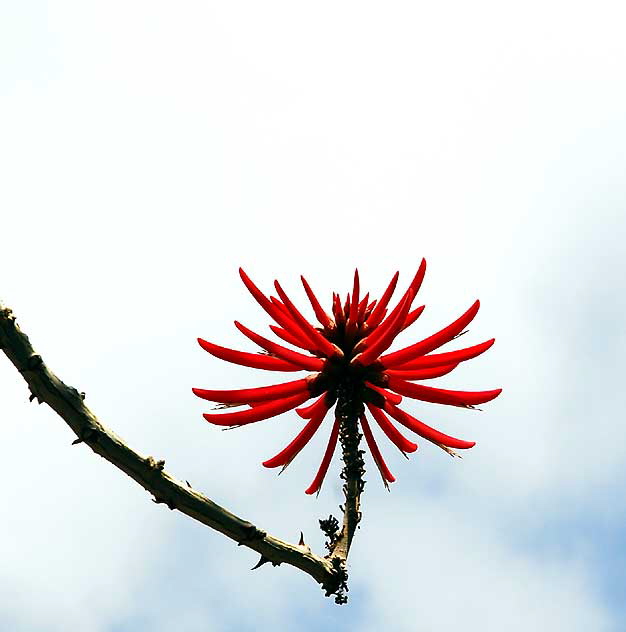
(68, 403)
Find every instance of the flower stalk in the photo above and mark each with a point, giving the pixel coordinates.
(348, 411)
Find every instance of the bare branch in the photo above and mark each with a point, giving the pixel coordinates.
(149, 472)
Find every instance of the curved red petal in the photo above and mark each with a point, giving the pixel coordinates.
(293, 328)
(393, 434)
(274, 308)
(416, 283)
(414, 286)
(440, 395)
(337, 310)
(378, 314)
(297, 335)
(253, 360)
(422, 374)
(320, 314)
(258, 413)
(324, 401)
(412, 317)
(290, 338)
(362, 309)
(260, 298)
(432, 342)
(328, 455)
(280, 306)
(389, 332)
(306, 362)
(354, 303)
(374, 336)
(426, 431)
(260, 394)
(386, 475)
(286, 455)
(394, 398)
(439, 359)
(321, 343)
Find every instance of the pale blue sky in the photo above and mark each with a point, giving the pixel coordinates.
(149, 149)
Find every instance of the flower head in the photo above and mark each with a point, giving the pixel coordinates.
(346, 354)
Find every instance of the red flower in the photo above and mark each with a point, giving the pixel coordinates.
(347, 351)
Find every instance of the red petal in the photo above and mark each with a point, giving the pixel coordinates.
(432, 342)
(392, 397)
(439, 359)
(440, 395)
(321, 343)
(416, 283)
(426, 431)
(243, 358)
(346, 306)
(389, 332)
(260, 394)
(328, 455)
(286, 455)
(281, 308)
(337, 311)
(274, 309)
(306, 362)
(373, 336)
(378, 457)
(377, 315)
(320, 314)
(400, 441)
(412, 317)
(354, 305)
(413, 287)
(258, 413)
(312, 409)
(260, 298)
(362, 309)
(368, 310)
(291, 339)
(292, 327)
(422, 374)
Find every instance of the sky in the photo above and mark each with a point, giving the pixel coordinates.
(149, 149)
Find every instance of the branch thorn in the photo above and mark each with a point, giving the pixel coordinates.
(263, 560)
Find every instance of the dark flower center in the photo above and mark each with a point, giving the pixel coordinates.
(343, 379)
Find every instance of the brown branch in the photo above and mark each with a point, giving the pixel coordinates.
(69, 404)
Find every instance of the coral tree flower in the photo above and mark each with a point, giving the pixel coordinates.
(347, 348)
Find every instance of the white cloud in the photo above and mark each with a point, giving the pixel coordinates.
(149, 150)
(454, 570)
